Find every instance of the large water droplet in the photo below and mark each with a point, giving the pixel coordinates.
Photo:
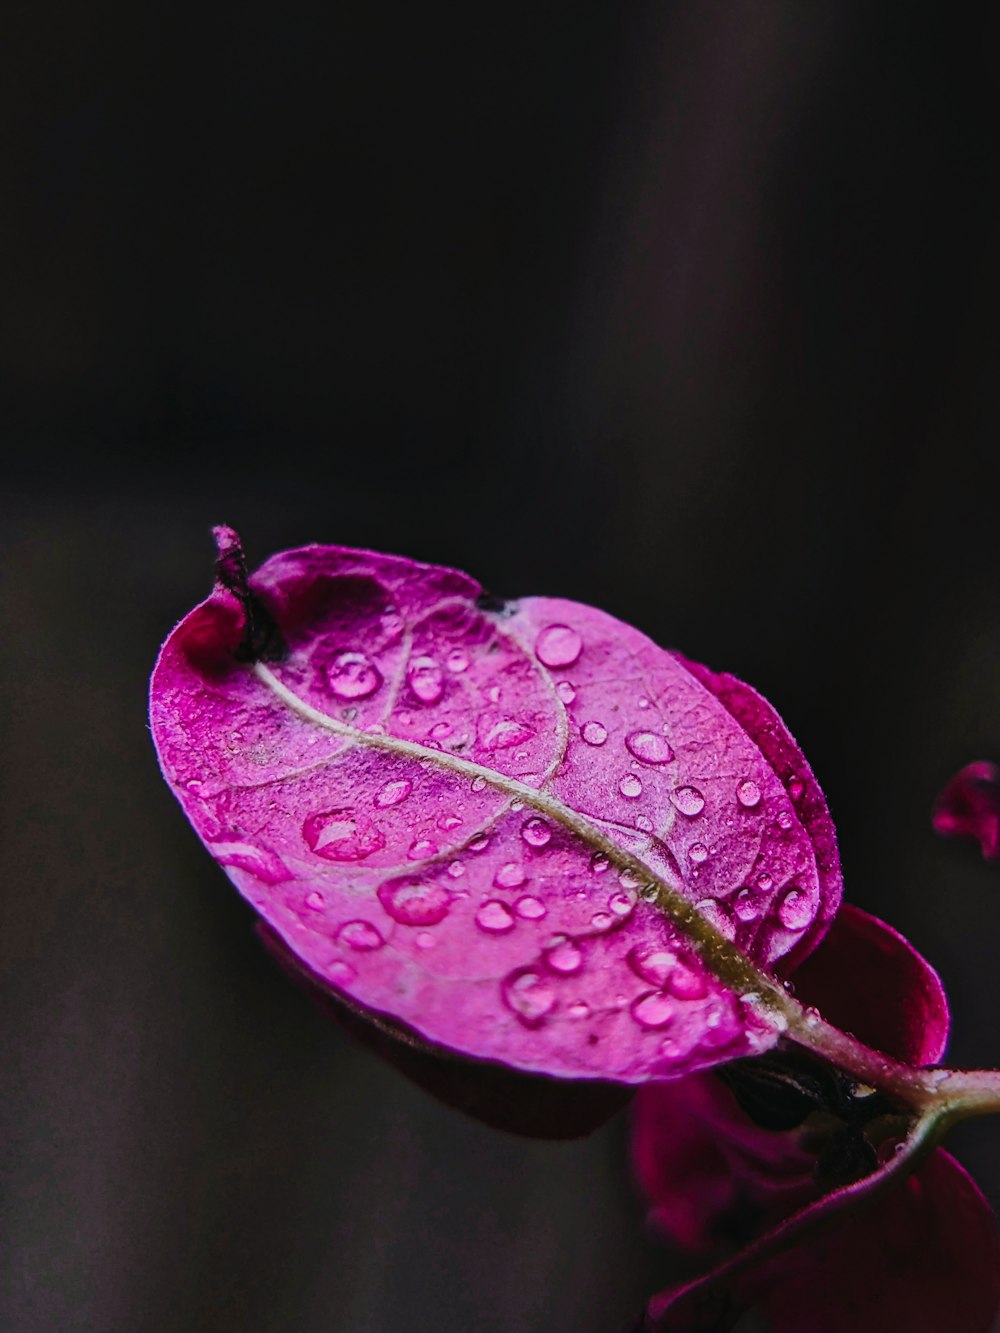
(425, 680)
(495, 917)
(391, 793)
(566, 691)
(558, 646)
(688, 800)
(564, 958)
(652, 963)
(414, 902)
(531, 909)
(594, 733)
(686, 984)
(529, 994)
(698, 853)
(509, 876)
(259, 861)
(457, 660)
(746, 906)
(630, 786)
(340, 835)
(796, 911)
(653, 1010)
(421, 849)
(353, 676)
(748, 793)
(536, 833)
(649, 747)
(360, 935)
(505, 733)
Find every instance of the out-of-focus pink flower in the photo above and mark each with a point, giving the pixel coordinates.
(809, 1232)
(969, 807)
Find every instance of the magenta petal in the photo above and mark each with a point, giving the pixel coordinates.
(866, 979)
(381, 793)
(921, 1256)
(969, 807)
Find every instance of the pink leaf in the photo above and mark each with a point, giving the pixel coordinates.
(458, 815)
(969, 807)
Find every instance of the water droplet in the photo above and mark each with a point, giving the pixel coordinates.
(414, 902)
(479, 844)
(796, 911)
(643, 702)
(517, 806)
(536, 833)
(448, 822)
(529, 994)
(478, 783)
(649, 747)
(594, 733)
(579, 1009)
(531, 909)
(564, 958)
(457, 660)
(653, 1010)
(509, 876)
(340, 835)
(652, 963)
(686, 984)
(259, 861)
(795, 788)
(745, 905)
(643, 824)
(441, 729)
(424, 940)
(353, 676)
(630, 786)
(629, 881)
(495, 917)
(764, 881)
(315, 900)
(698, 853)
(715, 914)
(455, 869)
(565, 691)
(785, 820)
(621, 904)
(505, 733)
(599, 863)
(558, 646)
(193, 785)
(360, 935)
(340, 973)
(688, 800)
(748, 793)
(391, 793)
(425, 680)
(423, 847)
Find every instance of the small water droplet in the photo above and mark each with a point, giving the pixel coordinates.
(795, 788)
(796, 911)
(478, 783)
(479, 844)
(599, 863)
(698, 853)
(764, 881)
(748, 793)
(360, 935)
(193, 785)
(651, 963)
(630, 786)
(505, 733)
(594, 733)
(495, 917)
(531, 909)
(259, 861)
(643, 702)
(424, 939)
(602, 921)
(516, 806)
(649, 747)
(558, 646)
(564, 958)
(529, 994)
(353, 676)
(423, 847)
(448, 822)
(340, 973)
(455, 869)
(785, 820)
(391, 793)
(688, 800)
(414, 902)
(565, 691)
(579, 1009)
(629, 881)
(643, 824)
(441, 729)
(686, 984)
(536, 833)
(621, 904)
(653, 1010)
(457, 660)
(745, 905)
(509, 876)
(425, 680)
(315, 900)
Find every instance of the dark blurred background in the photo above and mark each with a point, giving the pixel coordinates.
(687, 310)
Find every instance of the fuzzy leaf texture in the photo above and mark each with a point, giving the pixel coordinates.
(517, 832)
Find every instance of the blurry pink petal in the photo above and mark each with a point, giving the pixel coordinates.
(424, 794)
(969, 807)
(921, 1256)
